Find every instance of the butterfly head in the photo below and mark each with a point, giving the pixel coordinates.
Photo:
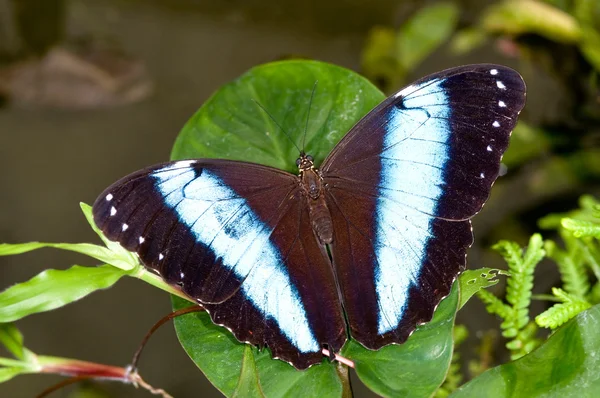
(305, 162)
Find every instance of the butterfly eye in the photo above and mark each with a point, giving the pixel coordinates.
(298, 161)
(309, 157)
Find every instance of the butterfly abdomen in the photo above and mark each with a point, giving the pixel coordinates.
(320, 219)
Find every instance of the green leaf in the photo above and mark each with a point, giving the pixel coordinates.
(526, 143)
(566, 365)
(590, 47)
(517, 17)
(221, 357)
(422, 34)
(582, 228)
(413, 369)
(12, 339)
(471, 281)
(379, 62)
(8, 373)
(230, 125)
(53, 289)
(278, 379)
(113, 254)
(248, 385)
(98, 252)
(466, 40)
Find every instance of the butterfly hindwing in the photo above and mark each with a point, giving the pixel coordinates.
(402, 185)
(236, 237)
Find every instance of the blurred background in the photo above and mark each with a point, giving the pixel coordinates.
(93, 90)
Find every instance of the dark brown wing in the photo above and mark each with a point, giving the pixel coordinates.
(402, 185)
(237, 238)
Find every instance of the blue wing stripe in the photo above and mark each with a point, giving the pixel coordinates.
(401, 246)
(244, 245)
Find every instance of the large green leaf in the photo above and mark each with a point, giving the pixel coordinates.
(416, 368)
(566, 365)
(53, 289)
(231, 125)
(221, 357)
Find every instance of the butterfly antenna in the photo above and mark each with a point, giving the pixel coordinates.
(278, 125)
(308, 113)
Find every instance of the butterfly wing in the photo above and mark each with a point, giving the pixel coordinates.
(401, 187)
(236, 237)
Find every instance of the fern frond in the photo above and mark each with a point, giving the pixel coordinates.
(573, 273)
(581, 228)
(587, 211)
(516, 325)
(493, 304)
(591, 255)
(559, 314)
(511, 251)
(525, 342)
(521, 267)
(589, 203)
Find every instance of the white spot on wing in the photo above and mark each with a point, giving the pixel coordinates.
(244, 246)
(494, 71)
(160, 256)
(124, 227)
(141, 240)
(500, 85)
(501, 104)
(113, 210)
(481, 175)
(489, 148)
(109, 197)
(496, 124)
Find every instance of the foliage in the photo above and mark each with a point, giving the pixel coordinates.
(230, 120)
(233, 367)
(580, 232)
(515, 313)
(338, 107)
(454, 377)
(565, 365)
(391, 54)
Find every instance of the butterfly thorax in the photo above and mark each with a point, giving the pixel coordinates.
(312, 184)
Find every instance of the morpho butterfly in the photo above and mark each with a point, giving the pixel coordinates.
(364, 246)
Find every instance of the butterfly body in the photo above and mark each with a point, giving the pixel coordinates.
(364, 246)
(312, 184)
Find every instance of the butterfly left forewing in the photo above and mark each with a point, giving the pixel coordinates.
(236, 237)
(402, 185)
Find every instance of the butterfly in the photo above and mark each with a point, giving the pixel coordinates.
(364, 246)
